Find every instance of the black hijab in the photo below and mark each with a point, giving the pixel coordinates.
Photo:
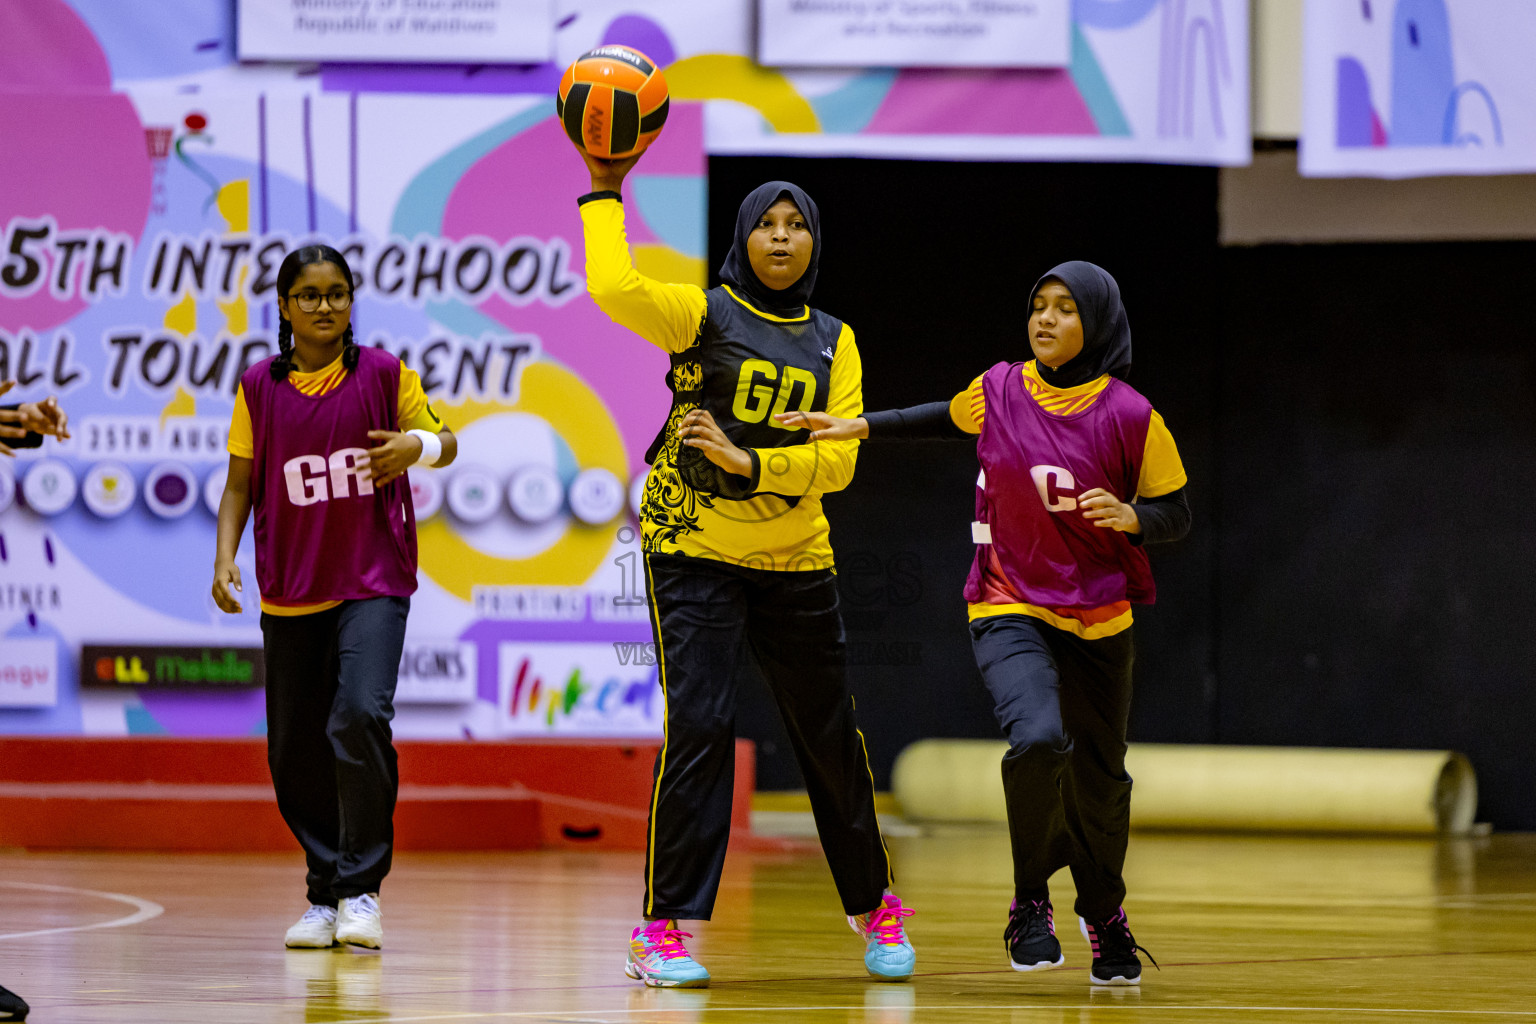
(1106, 331)
(737, 271)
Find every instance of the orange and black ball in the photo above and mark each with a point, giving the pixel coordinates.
(612, 101)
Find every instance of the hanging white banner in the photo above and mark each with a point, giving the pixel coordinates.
(1143, 80)
(1403, 88)
(397, 30)
(914, 33)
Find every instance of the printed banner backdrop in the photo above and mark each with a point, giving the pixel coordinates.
(149, 184)
(1401, 88)
(150, 187)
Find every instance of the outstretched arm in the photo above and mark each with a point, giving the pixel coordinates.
(930, 421)
(933, 420)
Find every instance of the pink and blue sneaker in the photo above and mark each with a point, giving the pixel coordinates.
(888, 954)
(658, 958)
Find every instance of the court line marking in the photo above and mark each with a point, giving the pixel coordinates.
(144, 910)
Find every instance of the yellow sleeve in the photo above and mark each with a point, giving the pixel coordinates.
(242, 441)
(821, 466)
(1162, 471)
(666, 315)
(969, 408)
(414, 411)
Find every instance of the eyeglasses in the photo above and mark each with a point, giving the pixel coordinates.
(309, 301)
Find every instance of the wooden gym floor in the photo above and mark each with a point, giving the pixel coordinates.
(1247, 929)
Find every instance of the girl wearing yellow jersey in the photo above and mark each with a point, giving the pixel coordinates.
(738, 561)
(1078, 472)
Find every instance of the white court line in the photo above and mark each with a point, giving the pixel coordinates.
(145, 910)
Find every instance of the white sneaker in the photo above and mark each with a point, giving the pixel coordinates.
(358, 921)
(315, 930)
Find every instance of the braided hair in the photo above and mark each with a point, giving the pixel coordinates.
(287, 273)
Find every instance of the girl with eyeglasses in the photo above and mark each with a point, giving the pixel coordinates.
(319, 444)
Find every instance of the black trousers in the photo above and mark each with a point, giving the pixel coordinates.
(1063, 702)
(330, 697)
(707, 616)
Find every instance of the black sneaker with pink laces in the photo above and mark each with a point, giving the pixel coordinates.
(1114, 951)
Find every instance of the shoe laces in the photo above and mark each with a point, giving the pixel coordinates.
(317, 914)
(1112, 938)
(666, 941)
(884, 922)
(1029, 920)
(363, 906)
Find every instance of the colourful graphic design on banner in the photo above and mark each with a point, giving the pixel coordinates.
(1403, 87)
(137, 260)
(574, 689)
(1426, 99)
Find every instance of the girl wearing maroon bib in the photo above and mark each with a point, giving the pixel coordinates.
(319, 444)
(1078, 473)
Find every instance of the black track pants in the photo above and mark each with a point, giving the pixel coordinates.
(707, 616)
(330, 698)
(1063, 702)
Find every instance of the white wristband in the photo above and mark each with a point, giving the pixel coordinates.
(431, 446)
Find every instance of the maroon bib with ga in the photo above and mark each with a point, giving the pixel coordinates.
(324, 532)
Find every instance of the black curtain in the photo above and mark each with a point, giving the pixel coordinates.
(1358, 423)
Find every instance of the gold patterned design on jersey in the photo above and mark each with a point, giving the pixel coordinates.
(670, 507)
(687, 376)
